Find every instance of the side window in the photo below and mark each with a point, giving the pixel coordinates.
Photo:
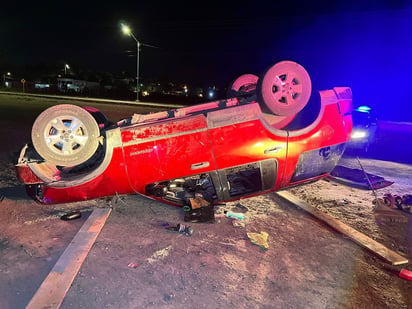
(244, 180)
(248, 179)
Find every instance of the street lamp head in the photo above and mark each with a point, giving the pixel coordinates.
(67, 66)
(126, 29)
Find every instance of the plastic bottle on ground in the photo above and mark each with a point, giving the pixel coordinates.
(234, 215)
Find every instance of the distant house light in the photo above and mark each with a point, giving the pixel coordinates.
(41, 86)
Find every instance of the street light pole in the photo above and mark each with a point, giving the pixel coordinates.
(137, 69)
(129, 32)
(66, 66)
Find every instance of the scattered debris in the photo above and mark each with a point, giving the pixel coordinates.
(403, 273)
(241, 208)
(403, 202)
(406, 274)
(343, 202)
(259, 239)
(392, 200)
(132, 265)
(382, 212)
(358, 237)
(198, 202)
(385, 214)
(168, 297)
(27, 252)
(238, 223)
(234, 215)
(357, 178)
(203, 214)
(159, 254)
(181, 228)
(71, 215)
(346, 201)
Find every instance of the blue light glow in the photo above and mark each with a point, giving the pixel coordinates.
(367, 50)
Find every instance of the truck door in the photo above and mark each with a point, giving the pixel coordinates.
(166, 149)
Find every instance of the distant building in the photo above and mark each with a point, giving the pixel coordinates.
(7, 80)
(71, 85)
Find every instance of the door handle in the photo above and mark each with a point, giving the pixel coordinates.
(199, 165)
(272, 150)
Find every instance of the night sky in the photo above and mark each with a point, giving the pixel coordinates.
(366, 45)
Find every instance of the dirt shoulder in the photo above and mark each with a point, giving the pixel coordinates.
(307, 264)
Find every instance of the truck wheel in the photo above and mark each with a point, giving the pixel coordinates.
(65, 135)
(244, 84)
(284, 88)
(399, 202)
(100, 118)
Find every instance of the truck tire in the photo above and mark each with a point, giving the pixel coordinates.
(284, 88)
(65, 135)
(244, 84)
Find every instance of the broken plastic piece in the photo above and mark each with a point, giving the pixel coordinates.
(259, 239)
(181, 228)
(238, 223)
(71, 215)
(406, 274)
(132, 265)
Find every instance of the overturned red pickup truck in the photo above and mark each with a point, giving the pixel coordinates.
(254, 142)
